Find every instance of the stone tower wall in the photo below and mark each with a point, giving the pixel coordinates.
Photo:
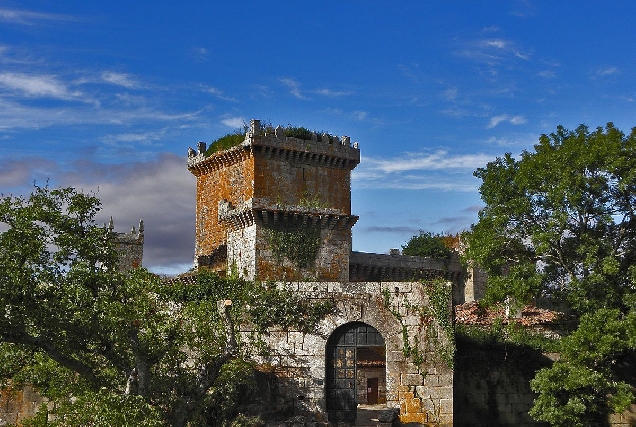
(332, 257)
(271, 184)
(294, 172)
(224, 176)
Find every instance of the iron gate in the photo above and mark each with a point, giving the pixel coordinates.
(341, 372)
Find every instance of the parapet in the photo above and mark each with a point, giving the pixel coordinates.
(364, 267)
(325, 149)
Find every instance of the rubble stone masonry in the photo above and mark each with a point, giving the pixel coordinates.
(423, 394)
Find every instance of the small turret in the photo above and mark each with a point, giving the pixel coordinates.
(129, 246)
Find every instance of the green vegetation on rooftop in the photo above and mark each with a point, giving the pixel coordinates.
(225, 142)
(236, 137)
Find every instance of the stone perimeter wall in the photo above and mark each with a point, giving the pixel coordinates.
(492, 387)
(424, 395)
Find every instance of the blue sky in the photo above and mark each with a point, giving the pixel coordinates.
(107, 97)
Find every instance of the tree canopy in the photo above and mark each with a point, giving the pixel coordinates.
(560, 222)
(113, 348)
(429, 245)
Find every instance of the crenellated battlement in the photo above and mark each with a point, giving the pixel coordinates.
(320, 150)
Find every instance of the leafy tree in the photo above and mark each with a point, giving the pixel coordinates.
(428, 245)
(122, 349)
(560, 222)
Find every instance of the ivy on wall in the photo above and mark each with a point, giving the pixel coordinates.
(439, 297)
(295, 243)
(438, 310)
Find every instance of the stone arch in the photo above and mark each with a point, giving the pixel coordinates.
(355, 370)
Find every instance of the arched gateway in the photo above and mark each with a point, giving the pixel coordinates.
(356, 370)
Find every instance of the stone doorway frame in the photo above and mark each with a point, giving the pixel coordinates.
(342, 365)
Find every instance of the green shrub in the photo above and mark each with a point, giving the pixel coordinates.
(226, 142)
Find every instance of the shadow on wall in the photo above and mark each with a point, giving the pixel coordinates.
(492, 384)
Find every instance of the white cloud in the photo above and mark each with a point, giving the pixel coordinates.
(517, 120)
(438, 170)
(607, 71)
(25, 17)
(548, 74)
(496, 43)
(494, 121)
(119, 79)
(14, 115)
(332, 93)
(464, 184)
(143, 138)
(37, 86)
(491, 29)
(492, 51)
(293, 86)
(357, 115)
(438, 160)
(450, 94)
(200, 53)
(513, 120)
(217, 92)
(234, 122)
(360, 115)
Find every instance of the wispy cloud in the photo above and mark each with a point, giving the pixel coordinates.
(26, 17)
(492, 51)
(142, 138)
(438, 170)
(438, 160)
(14, 115)
(513, 120)
(356, 115)
(37, 86)
(234, 122)
(293, 86)
(392, 230)
(200, 53)
(217, 93)
(606, 71)
(450, 94)
(119, 79)
(332, 93)
(548, 74)
(522, 8)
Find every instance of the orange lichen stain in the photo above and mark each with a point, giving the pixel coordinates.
(233, 183)
(419, 417)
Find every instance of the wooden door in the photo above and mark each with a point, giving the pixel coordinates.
(372, 391)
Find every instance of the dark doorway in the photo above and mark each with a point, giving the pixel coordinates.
(372, 391)
(345, 346)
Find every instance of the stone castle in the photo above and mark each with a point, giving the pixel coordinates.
(278, 208)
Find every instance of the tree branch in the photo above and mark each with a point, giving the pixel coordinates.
(75, 365)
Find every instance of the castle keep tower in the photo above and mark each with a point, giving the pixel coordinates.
(276, 207)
